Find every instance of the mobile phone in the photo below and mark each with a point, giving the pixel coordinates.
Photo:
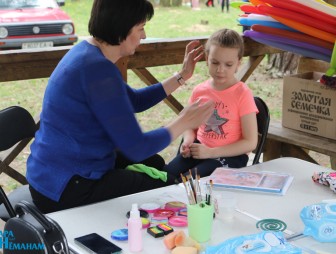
(97, 244)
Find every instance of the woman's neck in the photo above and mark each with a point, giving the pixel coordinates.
(112, 53)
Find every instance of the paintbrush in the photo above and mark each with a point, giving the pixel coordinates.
(190, 182)
(190, 195)
(198, 189)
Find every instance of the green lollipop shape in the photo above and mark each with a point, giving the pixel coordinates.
(328, 79)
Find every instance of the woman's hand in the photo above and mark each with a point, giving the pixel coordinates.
(193, 53)
(197, 113)
(191, 117)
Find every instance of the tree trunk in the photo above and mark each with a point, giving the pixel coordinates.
(332, 2)
(281, 64)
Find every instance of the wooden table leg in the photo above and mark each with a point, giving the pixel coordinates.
(272, 150)
(333, 162)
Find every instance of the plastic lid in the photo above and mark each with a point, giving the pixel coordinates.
(120, 234)
(164, 213)
(178, 221)
(135, 213)
(145, 222)
(143, 214)
(175, 206)
(150, 207)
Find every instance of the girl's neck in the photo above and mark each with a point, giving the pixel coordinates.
(222, 87)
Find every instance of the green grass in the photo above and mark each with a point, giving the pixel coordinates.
(167, 23)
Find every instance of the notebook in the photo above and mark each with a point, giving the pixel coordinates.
(263, 181)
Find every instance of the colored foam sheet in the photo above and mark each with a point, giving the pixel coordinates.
(256, 2)
(298, 17)
(237, 4)
(250, 9)
(294, 49)
(307, 29)
(261, 17)
(299, 8)
(245, 21)
(293, 35)
(316, 5)
(280, 39)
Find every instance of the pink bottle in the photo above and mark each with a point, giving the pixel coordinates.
(134, 230)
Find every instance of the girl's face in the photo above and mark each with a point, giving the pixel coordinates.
(222, 64)
(132, 41)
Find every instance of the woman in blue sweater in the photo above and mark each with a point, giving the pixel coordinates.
(88, 115)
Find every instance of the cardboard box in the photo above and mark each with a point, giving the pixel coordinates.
(308, 105)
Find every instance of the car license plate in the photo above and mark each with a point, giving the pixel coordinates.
(44, 44)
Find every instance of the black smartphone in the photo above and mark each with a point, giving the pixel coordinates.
(97, 244)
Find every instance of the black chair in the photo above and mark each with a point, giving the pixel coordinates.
(263, 120)
(17, 128)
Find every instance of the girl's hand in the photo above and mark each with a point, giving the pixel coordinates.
(193, 53)
(200, 151)
(185, 151)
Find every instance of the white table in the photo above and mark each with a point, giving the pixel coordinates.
(105, 217)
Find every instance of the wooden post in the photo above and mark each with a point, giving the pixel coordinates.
(122, 65)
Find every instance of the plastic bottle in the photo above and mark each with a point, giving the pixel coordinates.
(134, 230)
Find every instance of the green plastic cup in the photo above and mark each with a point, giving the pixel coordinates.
(200, 219)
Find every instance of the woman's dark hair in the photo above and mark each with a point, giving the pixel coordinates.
(112, 20)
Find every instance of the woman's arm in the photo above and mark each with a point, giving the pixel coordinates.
(190, 118)
(245, 145)
(145, 98)
(188, 138)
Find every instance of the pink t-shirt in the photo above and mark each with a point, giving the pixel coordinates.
(224, 126)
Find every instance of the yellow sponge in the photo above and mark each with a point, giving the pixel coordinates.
(184, 250)
(169, 240)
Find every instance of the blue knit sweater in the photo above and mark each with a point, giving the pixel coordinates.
(88, 112)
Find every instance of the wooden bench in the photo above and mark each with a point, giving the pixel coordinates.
(285, 142)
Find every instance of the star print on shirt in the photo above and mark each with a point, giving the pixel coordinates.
(215, 123)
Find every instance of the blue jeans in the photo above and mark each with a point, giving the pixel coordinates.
(205, 167)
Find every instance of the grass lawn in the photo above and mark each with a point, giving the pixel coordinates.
(167, 23)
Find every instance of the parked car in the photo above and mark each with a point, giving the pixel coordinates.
(34, 24)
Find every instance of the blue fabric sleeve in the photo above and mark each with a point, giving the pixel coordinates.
(113, 104)
(147, 97)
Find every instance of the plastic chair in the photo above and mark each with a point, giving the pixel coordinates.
(263, 120)
(17, 128)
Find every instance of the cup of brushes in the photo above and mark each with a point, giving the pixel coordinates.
(200, 212)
